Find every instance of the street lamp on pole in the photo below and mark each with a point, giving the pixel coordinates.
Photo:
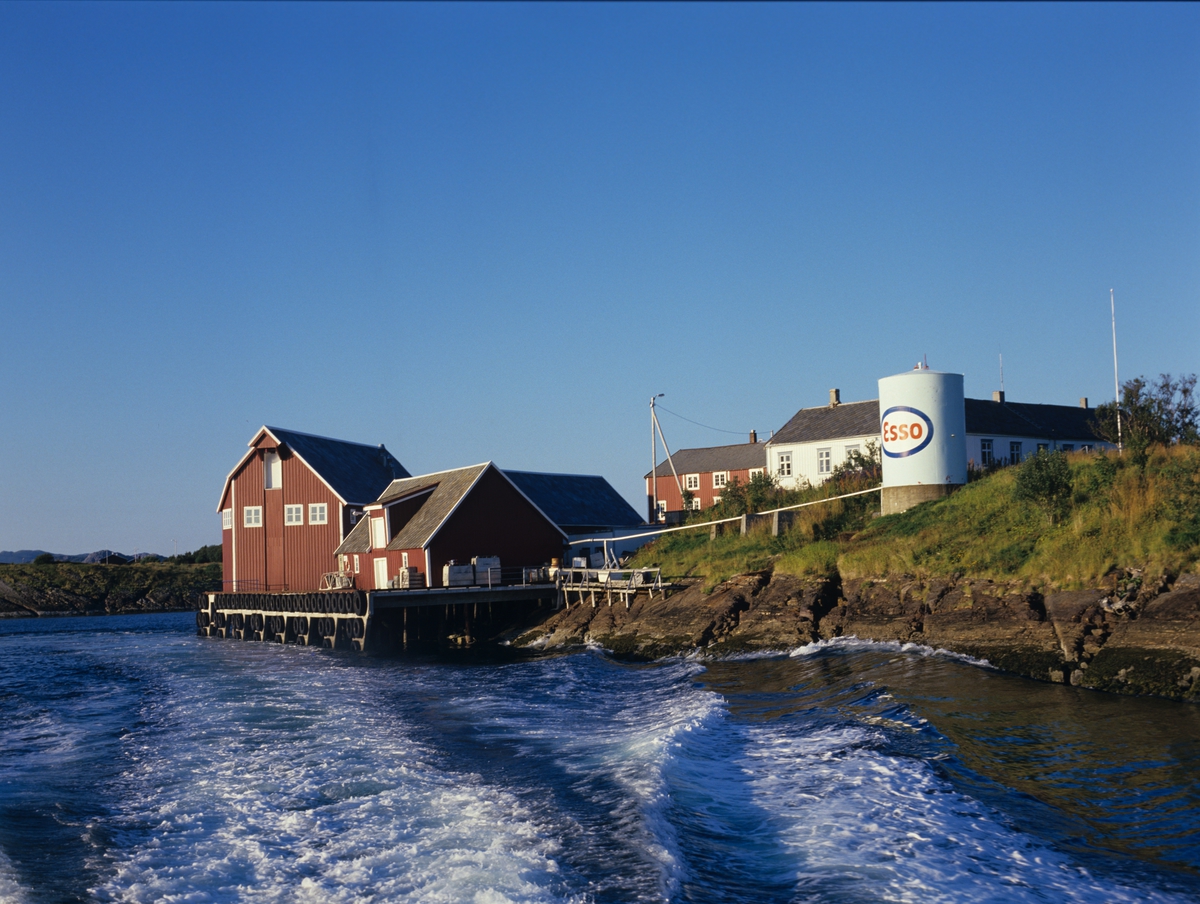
(653, 463)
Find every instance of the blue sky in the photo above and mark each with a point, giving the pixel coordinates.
(493, 232)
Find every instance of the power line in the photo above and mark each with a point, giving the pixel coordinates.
(698, 424)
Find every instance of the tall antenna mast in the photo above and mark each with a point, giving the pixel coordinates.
(1112, 302)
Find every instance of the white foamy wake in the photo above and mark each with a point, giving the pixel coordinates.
(11, 890)
(853, 644)
(613, 729)
(270, 793)
(853, 816)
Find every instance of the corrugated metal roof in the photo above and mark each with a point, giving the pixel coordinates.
(576, 500)
(813, 424)
(356, 472)
(742, 456)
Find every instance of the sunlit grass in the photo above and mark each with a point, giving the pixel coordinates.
(1121, 517)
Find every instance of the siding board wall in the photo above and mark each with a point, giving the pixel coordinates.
(494, 520)
(251, 541)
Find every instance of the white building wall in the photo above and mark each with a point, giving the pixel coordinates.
(1029, 446)
(805, 458)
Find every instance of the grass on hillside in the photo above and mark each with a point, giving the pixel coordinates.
(808, 547)
(1120, 516)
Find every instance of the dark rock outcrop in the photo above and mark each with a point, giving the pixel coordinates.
(1133, 638)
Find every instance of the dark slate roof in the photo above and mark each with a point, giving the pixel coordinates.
(449, 487)
(356, 472)
(844, 420)
(740, 457)
(576, 500)
(1056, 422)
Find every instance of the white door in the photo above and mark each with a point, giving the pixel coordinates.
(381, 574)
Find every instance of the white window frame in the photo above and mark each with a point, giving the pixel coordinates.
(356, 563)
(252, 516)
(403, 560)
(784, 467)
(378, 533)
(227, 519)
(825, 461)
(272, 470)
(853, 447)
(293, 515)
(318, 513)
(1014, 452)
(716, 500)
(662, 506)
(720, 479)
(987, 455)
(691, 482)
(756, 472)
(696, 506)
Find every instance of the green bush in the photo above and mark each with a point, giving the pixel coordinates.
(1045, 480)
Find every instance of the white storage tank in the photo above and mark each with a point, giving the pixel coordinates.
(923, 429)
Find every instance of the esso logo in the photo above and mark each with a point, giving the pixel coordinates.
(906, 431)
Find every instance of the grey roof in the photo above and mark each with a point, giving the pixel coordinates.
(356, 472)
(1056, 422)
(449, 487)
(844, 420)
(742, 456)
(576, 500)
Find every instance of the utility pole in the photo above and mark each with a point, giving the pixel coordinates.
(1116, 383)
(653, 463)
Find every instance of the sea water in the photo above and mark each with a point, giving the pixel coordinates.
(139, 762)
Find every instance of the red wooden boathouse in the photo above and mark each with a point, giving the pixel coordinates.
(290, 501)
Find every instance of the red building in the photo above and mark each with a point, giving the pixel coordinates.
(425, 522)
(288, 504)
(704, 473)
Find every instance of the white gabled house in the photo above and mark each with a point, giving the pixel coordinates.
(815, 441)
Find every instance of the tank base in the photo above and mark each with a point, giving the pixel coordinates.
(898, 499)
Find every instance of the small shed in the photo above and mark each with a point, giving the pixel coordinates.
(432, 520)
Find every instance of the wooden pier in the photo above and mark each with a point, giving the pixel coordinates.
(349, 618)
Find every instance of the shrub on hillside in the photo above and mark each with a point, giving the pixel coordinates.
(44, 559)
(1151, 413)
(1045, 480)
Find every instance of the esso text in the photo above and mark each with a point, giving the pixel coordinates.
(905, 431)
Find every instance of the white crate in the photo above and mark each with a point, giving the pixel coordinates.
(458, 575)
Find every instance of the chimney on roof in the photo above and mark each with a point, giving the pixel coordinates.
(835, 398)
(1083, 402)
(998, 396)
(753, 437)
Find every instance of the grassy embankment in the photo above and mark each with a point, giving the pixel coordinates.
(1119, 516)
(101, 583)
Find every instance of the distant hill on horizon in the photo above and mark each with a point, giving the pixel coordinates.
(25, 556)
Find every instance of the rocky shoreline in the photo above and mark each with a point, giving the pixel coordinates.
(25, 600)
(1133, 637)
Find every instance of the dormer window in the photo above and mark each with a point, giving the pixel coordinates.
(378, 534)
(272, 470)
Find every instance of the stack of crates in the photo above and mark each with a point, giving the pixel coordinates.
(454, 575)
(410, 579)
(487, 570)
